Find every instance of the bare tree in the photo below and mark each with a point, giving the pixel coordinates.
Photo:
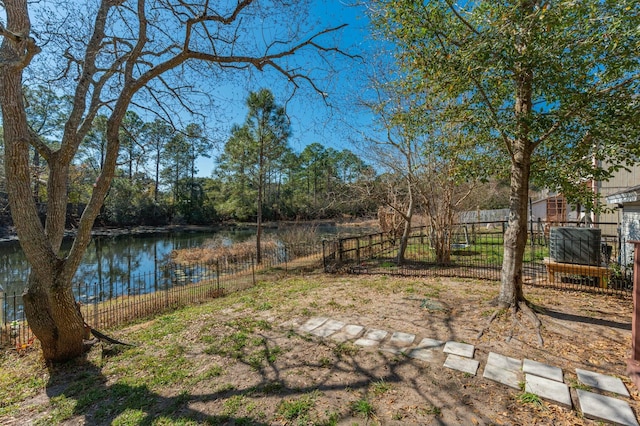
(398, 151)
(125, 53)
(434, 169)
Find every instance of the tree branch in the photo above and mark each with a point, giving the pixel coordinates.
(28, 44)
(494, 115)
(464, 21)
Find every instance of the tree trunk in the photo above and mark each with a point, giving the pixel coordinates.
(404, 240)
(54, 318)
(521, 148)
(515, 237)
(156, 180)
(260, 200)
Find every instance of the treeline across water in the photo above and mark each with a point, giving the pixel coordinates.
(255, 171)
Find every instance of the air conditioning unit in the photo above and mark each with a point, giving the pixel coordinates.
(580, 246)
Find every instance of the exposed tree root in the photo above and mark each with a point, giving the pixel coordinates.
(101, 337)
(87, 344)
(486, 327)
(526, 309)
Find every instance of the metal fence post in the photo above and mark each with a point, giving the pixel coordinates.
(324, 256)
(96, 300)
(218, 276)
(2, 302)
(253, 270)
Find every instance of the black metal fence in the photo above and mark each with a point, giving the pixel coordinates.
(471, 251)
(114, 302)
(476, 251)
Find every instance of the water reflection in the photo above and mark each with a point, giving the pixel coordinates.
(114, 266)
(111, 259)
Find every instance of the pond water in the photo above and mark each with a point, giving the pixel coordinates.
(118, 258)
(109, 258)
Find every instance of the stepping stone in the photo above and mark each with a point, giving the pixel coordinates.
(503, 370)
(461, 363)
(374, 334)
(504, 362)
(542, 370)
(423, 354)
(551, 390)
(328, 328)
(313, 323)
(430, 343)
(392, 350)
(366, 342)
(460, 349)
(372, 337)
(600, 407)
(401, 339)
(348, 332)
(602, 382)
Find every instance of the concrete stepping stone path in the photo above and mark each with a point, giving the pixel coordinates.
(602, 382)
(401, 339)
(600, 407)
(548, 389)
(348, 332)
(502, 369)
(372, 337)
(313, 323)
(542, 370)
(430, 343)
(427, 350)
(423, 354)
(541, 379)
(327, 328)
(460, 349)
(461, 363)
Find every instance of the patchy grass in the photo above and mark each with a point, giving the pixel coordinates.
(530, 398)
(241, 359)
(297, 408)
(362, 407)
(379, 387)
(21, 378)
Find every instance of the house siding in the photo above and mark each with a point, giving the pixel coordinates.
(620, 182)
(630, 231)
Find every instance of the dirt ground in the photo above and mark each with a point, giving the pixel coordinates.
(334, 383)
(579, 330)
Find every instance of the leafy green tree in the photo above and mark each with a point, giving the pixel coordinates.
(236, 173)
(46, 111)
(178, 157)
(94, 147)
(255, 148)
(131, 140)
(121, 205)
(158, 135)
(192, 201)
(313, 159)
(553, 85)
(145, 53)
(176, 164)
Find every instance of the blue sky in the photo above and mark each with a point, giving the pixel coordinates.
(311, 119)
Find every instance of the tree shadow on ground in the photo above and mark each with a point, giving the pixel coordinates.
(79, 391)
(79, 388)
(584, 319)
